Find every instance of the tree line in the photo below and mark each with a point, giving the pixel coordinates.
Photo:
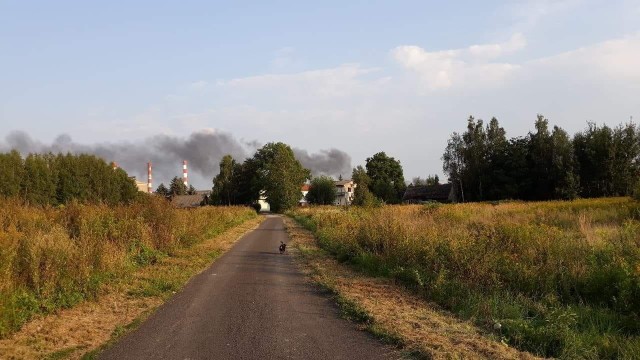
(48, 179)
(543, 165)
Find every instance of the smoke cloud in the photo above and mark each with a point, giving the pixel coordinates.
(203, 150)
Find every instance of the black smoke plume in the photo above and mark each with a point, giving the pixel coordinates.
(203, 150)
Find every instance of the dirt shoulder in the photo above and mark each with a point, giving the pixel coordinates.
(392, 312)
(81, 331)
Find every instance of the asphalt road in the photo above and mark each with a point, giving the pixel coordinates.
(252, 303)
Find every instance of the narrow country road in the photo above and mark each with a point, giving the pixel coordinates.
(252, 303)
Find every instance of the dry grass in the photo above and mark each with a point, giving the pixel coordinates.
(397, 313)
(57, 257)
(70, 333)
(561, 278)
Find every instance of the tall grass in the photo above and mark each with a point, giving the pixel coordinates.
(55, 257)
(558, 279)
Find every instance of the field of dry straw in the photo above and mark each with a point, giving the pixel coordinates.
(558, 279)
(56, 257)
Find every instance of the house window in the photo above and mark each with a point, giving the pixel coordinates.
(349, 190)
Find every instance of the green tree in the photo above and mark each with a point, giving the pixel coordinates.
(322, 191)
(281, 175)
(475, 157)
(387, 179)
(563, 167)
(497, 175)
(432, 180)
(162, 190)
(418, 181)
(247, 181)
(38, 183)
(224, 187)
(191, 190)
(11, 174)
(362, 196)
(453, 162)
(177, 187)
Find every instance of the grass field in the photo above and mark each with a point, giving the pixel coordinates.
(57, 257)
(558, 279)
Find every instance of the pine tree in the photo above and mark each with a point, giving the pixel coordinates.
(162, 190)
(177, 187)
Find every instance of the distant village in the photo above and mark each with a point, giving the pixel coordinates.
(345, 189)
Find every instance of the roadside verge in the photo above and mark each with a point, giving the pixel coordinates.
(80, 332)
(391, 312)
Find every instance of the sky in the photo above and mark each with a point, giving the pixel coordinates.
(355, 76)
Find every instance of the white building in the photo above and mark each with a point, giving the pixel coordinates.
(305, 191)
(346, 190)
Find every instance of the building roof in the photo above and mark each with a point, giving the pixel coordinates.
(187, 201)
(427, 192)
(342, 182)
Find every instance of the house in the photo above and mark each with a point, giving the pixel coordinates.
(445, 193)
(305, 191)
(346, 190)
(262, 201)
(200, 198)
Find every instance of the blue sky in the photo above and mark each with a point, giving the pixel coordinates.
(360, 76)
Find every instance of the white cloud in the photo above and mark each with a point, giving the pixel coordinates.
(460, 67)
(198, 85)
(611, 60)
(492, 51)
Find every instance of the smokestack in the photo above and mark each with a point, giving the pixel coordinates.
(149, 178)
(114, 165)
(185, 175)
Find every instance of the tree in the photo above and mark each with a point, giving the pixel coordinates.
(322, 191)
(224, 188)
(387, 179)
(162, 190)
(432, 180)
(11, 173)
(418, 181)
(39, 183)
(453, 162)
(475, 157)
(177, 187)
(362, 196)
(191, 190)
(280, 175)
(564, 178)
(497, 174)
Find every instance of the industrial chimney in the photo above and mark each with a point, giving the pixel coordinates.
(185, 175)
(149, 178)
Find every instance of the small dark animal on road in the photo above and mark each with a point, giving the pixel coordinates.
(282, 247)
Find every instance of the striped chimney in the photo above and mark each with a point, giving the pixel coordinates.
(114, 165)
(185, 174)
(149, 178)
